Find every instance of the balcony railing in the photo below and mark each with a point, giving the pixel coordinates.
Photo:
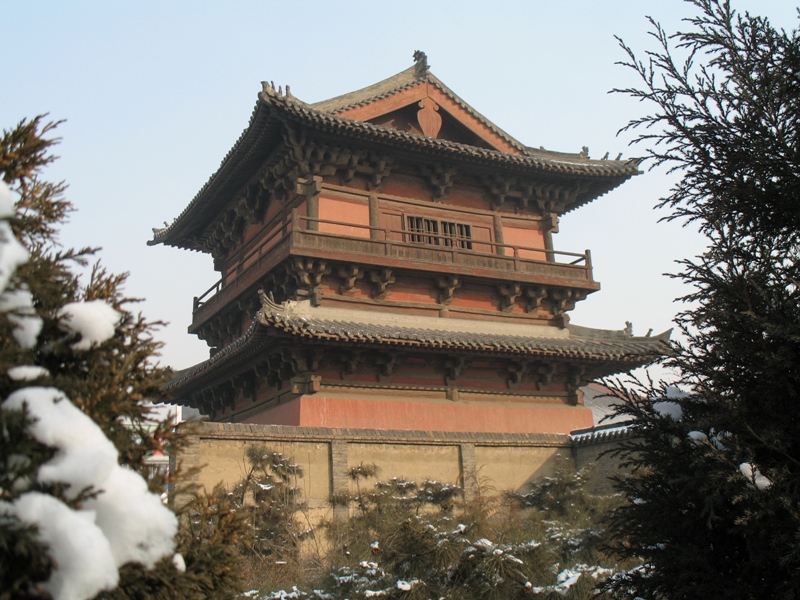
(337, 240)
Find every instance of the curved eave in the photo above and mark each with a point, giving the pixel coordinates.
(329, 123)
(272, 323)
(262, 135)
(242, 160)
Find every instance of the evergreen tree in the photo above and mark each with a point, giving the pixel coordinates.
(66, 341)
(714, 499)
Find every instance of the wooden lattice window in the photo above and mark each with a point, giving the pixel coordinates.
(458, 235)
(433, 232)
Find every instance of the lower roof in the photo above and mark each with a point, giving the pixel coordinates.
(359, 328)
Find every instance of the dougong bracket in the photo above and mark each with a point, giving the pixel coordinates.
(447, 284)
(381, 279)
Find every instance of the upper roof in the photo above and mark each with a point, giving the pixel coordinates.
(300, 320)
(348, 116)
(353, 104)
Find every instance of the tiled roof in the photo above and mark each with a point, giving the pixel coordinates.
(273, 106)
(597, 435)
(316, 324)
(377, 91)
(555, 162)
(582, 342)
(402, 81)
(284, 433)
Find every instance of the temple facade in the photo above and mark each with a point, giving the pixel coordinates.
(387, 263)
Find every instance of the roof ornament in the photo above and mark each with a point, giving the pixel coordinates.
(269, 88)
(268, 301)
(421, 64)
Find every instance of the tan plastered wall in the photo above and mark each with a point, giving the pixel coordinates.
(510, 468)
(490, 463)
(224, 461)
(416, 462)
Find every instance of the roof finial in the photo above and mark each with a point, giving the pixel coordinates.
(421, 60)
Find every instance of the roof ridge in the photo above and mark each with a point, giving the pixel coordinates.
(270, 95)
(440, 85)
(415, 74)
(372, 93)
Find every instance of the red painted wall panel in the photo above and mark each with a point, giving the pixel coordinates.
(321, 411)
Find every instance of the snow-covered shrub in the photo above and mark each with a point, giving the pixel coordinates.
(80, 511)
(270, 499)
(90, 513)
(407, 540)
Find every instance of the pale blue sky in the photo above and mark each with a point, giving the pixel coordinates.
(156, 93)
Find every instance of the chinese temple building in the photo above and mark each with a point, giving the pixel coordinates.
(387, 262)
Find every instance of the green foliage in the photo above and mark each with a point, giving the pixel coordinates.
(109, 382)
(713, 501)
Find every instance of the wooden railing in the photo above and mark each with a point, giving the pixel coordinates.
(309, 233)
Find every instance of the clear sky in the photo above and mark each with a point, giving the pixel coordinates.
(155, 94)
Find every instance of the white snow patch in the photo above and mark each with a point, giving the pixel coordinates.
(566, 579)
(698, 437)
(133, 523)
(84, 565)
(85, 457)
(279, 595)
(138, 526)
(669, 409)
(674, 392)
(761, 482)
(12, 254)
(405, 586)
(484, 544)
(19, 303)
(7, 208)
(178, 562)
(94, 320)
(27, 373)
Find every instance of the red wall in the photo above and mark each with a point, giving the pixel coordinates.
(331, 209)
(321, 411)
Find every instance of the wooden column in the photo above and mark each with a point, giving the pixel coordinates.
(551, 227)
(498, 234)
(310, 189)
(374, 217)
